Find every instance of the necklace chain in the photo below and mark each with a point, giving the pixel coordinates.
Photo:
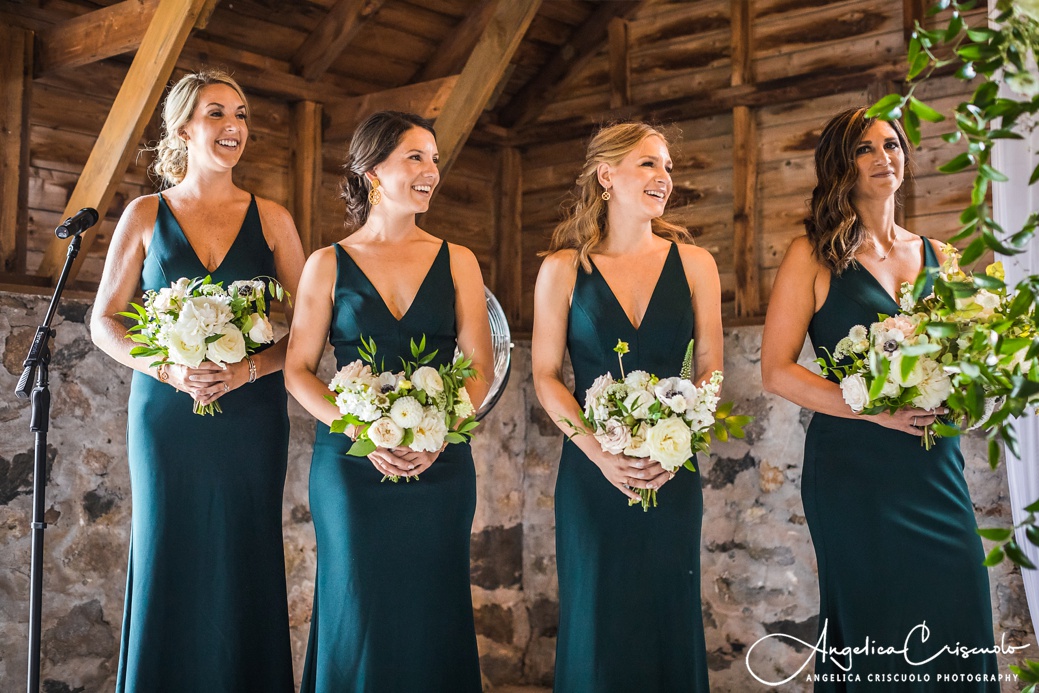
(876, 249)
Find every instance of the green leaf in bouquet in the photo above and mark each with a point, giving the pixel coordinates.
(957, 163)
(920, 284)
(994, 557)
(923, 348)
(906, 366)
(942, 330)
(724, 409)
(1021, 304)
(408, 439)
(455, 438)
(213, 337)
(984, 281)
(338, 426)
(1015, 554)
(688, 464)
(468, 425)
(145, 351)
(911, 122)
(1013, 345)
(994, 453)
(140, 339)
(361, 448)
(883, 369)
(995, 533)
(420, 395)
(945, 430)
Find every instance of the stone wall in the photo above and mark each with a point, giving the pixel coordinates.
(758, 563)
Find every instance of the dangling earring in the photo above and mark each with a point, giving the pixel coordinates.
(605, 195)
(374, 195)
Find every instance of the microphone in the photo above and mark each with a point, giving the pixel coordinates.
(77, 223)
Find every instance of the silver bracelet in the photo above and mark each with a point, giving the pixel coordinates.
(252, 369)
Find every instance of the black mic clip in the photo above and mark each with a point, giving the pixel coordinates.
(77, 223)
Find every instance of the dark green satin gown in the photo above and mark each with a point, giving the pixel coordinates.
(206, 607)
(393, 608)
(894, 533)
(629, 581)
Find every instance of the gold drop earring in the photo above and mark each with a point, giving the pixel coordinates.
(606, 195)
(374, 195)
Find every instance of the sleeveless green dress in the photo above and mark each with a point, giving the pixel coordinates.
(629, 581)
(894, 533)
(393, 608)
(206, 607)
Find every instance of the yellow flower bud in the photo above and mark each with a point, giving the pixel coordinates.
(622, 347)
(996, 270)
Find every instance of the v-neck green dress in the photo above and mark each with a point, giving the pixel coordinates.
(894, 533)
(629, 581)
(393, 608)
(206, 607)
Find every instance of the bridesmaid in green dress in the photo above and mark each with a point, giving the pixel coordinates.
(392, 603)
(892, 523)
(629, 581)
(206, 607)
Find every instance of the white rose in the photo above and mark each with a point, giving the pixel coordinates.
(597, 390)
(891, 387)
(935, 387)
(162, 302)
(614, 437)
(230, 348)
(406, 412)
(185, 348)
(428, 380)
(638, 402)
(179, 288)
(638, 380)
(915, 375)
(261, 331)
(669, 443)
(430, 431)
(638, 447)
(856, 394)
(464, 405)
(385, 434)
(676, 393)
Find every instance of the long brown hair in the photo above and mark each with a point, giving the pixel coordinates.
(584, 227)
(372, 143)
(833, 224)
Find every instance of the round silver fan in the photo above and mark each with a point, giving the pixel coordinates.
(501, 345)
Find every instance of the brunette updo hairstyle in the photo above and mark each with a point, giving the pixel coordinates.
(584, 228)
(171, 153)
(372, 143)
(832, 225)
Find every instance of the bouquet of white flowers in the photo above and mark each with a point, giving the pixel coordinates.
(961, 347)
(195, 320)
(667, 420)
(419, 407)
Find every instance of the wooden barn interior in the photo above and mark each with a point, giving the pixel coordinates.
(516, 88)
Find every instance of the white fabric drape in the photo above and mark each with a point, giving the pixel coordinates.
(1012, 203)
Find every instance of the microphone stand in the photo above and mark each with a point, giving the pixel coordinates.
(36, 363)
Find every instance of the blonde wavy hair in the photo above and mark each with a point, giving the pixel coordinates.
(833, 227)
(171, 153)
(585, 227)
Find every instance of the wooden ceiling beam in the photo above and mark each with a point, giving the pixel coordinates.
(16, 57)
(585, 41)
(481, 75)
(121, 134)
(103, 33)
(449, 58)
(331, 37)
(426, 99)
(305, 172)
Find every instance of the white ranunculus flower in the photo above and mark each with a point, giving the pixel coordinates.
(464, 404)
(385, 434)
(935, 386)
(430, 431)
(230, 348)
(638, 380)
(614, 437)
(669, 443)
(261, 332)
(638, 402)
(676, 393)
(428, 380)
(855, 392)
(406, 412)
(204, 315)
(163, 301)
(350, 373)
(185, 347)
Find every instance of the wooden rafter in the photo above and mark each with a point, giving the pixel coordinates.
(449, 58)
(305, 171)
(16, 56)
(427, 99)
(331, 37)
(620, 63)
(93, 36)
(507, 276)
(133, 107)
(585, 41)
(481, 75)
(744, 166)
(913, 11)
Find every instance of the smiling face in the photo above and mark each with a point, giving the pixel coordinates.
(409, 174)
(218, 129)
(641, 181)
(880, 162)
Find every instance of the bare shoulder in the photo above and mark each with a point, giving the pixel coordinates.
(693, 256)
(272, 213)
(140, 213)
(462, 257)
(322, 262)
(801, 255)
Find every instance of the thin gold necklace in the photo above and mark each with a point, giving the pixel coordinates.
(876, 248)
